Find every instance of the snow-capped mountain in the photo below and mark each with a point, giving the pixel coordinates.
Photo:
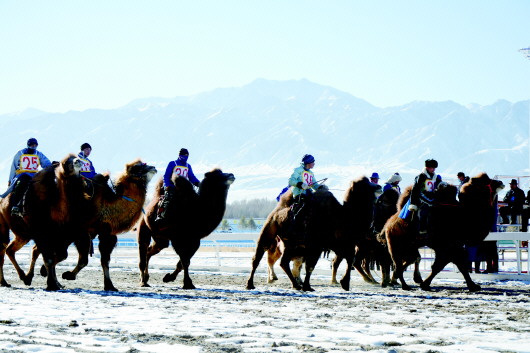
(260, 131)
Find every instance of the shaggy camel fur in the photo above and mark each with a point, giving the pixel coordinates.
(116, 212)
(190, 216)
(56, 213)
(450, 226)
(328, 225)
(368, 249)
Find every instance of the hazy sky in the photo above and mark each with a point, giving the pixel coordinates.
(63, 55)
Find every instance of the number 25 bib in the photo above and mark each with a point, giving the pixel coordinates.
(29, 163)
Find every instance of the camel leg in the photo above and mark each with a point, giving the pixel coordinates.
(438, 265)
(284, 264)
(83, 249)
(3, 246)
(297, 268)
(35, 253)
(335, 263)
(345, 280)
(49, 258)
(360, 258)
(14, 246)
(310, 263)
(273, 254)
(258, 255)
(185, 259)
(107, 242)
(417, 275)
(144, 236)
(460, 259)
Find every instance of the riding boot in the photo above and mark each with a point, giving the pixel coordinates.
(163, 206)
(17, 197)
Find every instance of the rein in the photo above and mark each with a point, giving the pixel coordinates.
(131, 200)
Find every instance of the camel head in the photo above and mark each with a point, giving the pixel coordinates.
(216, 180)
(70, 166)
(140, 171)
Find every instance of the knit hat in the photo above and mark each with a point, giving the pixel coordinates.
(395, 177)
(183, 151)
(306, 159)
(431, 163)
(85, 145)
(32, 141)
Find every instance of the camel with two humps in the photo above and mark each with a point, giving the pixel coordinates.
(116, 211)
(451, 225)
(328, 227)
(56, 213)
(191, 217)
(369, 250)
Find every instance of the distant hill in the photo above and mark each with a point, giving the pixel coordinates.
(260, 131)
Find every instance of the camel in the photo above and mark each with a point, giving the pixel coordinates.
(116, 212)
(368, 250)
(192, 216)
(55, 215)
(328, 225)
(451, 225)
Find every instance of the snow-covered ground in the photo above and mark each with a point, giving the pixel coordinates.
(222, 316)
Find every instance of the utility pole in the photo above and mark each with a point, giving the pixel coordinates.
(526, 53)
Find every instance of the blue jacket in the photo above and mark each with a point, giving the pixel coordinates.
(180, 168)
(88, 169)
(25, 162)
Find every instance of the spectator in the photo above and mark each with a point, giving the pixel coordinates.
(393, 183)
(515, 200)
(375, 178)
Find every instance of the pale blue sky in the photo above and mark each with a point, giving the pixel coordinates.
(73, 55)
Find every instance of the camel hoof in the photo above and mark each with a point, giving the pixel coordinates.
(110, 288)
(69, 276)
(144, 284)
(53, 288)
(425, 287)
(43, 271)
(188, 286)
(250, 285)
(406, 287)
(4, 284)
(169, 278)
(345, 285)
(474, 287)
(27, 280)
(308, 289)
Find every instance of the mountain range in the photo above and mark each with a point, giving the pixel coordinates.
(260, 132)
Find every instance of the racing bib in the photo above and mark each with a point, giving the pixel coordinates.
(181, 170)
(429, 185)
(85, 168)
(308, 177)
(29, 163)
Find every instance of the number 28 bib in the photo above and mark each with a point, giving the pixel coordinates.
(29, 163)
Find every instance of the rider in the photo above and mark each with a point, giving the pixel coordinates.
(422, 194)
(25, 164)
(88, 170)
(179, 167)
(304, 183)
(393, 183)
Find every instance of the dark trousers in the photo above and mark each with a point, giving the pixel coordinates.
(513, 212)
